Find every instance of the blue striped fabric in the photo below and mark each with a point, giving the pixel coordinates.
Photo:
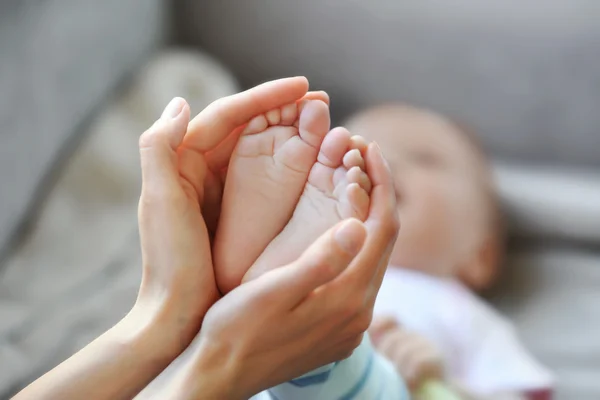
(318, 377)
(358, 386)
(363, 376)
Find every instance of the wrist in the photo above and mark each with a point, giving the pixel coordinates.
(116, 365)
(214, 373)
(169, 317)
(161, 326)
(144, 333)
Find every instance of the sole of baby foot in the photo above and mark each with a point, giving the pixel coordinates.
(338, 188)
(265, 178)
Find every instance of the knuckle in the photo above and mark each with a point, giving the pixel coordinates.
(156, 198)
(364, 319)
(357, 341)
(151, 136)
(219, 107)
(349, 346)
(326, 266)
(320, 265)
(392, 225)
(348, 312)
(149, 201)
(351, 309)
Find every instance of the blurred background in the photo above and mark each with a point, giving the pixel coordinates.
(80, 80)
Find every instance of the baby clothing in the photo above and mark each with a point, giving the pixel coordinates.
(481, 348)
(365, 375)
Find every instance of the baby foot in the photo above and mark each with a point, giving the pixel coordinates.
(265, 178)
(337, 188)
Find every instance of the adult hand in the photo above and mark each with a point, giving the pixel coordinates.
(182, 170)
(295, 318)
(178, 283)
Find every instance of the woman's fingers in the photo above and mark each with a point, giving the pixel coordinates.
(317, 95)
(219, 157)
(382, 224)
(366, 271)
(351, 295)
(158, 146)
(220, 118)
(323, 261)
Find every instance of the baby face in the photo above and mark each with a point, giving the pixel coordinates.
(439, 180)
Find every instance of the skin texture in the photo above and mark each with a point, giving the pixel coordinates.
(182, 167)
(313, 324)
(178, 284)
(336, 188)
(266, 174)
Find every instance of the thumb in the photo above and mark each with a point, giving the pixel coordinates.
(158, 147)
(322, 262)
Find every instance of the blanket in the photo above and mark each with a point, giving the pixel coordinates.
(77, 271)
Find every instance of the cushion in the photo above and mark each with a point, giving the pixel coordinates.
(551, 294)
(523, 73)
(59, 60)
(78, 271)
(550, 202)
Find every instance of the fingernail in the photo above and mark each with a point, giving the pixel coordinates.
(377, 147)
(380, 152)
(351, 236)
(174, 108)
(385, 161)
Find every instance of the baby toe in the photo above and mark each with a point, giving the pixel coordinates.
(314, 122)
(359, 200)
(357, 175)
(256, 125)
(334, 147)
(360, 143)
(289, 114)
(353, 158)
(273, 116)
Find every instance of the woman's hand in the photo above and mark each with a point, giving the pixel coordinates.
(180, 179)
(182, 169)
(295, 318)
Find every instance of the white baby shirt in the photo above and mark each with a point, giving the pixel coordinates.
(480, 347)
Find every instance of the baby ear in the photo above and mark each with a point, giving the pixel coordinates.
(480, 271)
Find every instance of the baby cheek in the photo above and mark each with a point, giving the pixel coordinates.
(445, 209)
(464, 215)
(435, 216)
(435, 202)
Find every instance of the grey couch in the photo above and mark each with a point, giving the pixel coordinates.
(524, 74)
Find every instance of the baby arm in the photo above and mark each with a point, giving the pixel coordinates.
(365, 375)
(418, 360)
(415, 358)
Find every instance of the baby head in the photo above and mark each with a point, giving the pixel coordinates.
(449, 217)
